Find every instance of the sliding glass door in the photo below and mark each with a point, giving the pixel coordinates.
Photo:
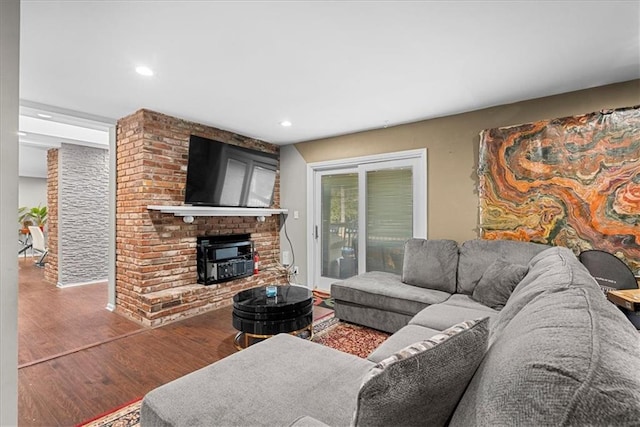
(389, 216)
(363, 212)
(338, 227)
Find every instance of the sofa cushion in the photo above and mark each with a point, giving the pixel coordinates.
(270, 383)
(406, 336)
(498, 282)
(422, 383)
(548, 271)
(442, 316)
(567, 357)
(463, 300)
(385, 291)
(382, 320)
(476, 256)
(431, 264)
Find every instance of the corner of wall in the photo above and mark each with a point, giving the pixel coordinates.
(293, 196)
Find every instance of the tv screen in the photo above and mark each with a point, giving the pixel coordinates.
(220, 174)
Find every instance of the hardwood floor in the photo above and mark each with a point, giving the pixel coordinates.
(73, 388)
(54, 321)
(78, 360)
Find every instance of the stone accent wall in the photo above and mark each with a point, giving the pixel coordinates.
(83, 235)
(51, 262)
(156, 274)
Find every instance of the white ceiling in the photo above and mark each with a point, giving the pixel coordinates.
(38, 134)
(331, 67)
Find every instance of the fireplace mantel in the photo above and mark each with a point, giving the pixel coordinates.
(188, 212)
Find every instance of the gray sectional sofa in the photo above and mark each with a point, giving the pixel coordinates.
(548, 349)
(434, 272)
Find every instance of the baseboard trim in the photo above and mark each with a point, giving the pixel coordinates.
(71, 285)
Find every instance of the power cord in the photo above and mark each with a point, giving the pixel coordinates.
(286, 270)
(289, 268)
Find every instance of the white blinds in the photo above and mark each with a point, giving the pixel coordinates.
(389, 217)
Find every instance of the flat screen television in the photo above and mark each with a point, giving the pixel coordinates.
(226, 175)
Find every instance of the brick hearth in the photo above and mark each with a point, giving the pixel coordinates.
(156, 278)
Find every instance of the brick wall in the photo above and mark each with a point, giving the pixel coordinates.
(156, 279)
(51, 262)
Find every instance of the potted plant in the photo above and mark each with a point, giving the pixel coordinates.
(24, 218)
(30, 216)
(39, 215)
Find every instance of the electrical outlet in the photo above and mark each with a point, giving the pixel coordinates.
(295, 269)
(286, 258)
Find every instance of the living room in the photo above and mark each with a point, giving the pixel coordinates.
(450, 138)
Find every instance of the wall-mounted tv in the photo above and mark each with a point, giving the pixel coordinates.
(220, 174)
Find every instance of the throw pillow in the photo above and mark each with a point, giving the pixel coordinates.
(431, 264)
(498, 282)
(422, 384)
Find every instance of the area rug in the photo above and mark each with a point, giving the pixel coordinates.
(322, 299)
(330, 331)
(347, 337)
(124, 416)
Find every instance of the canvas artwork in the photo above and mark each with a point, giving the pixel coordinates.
(571, 182)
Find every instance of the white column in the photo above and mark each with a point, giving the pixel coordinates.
(9, 107)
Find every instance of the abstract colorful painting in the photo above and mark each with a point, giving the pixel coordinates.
(571, 182)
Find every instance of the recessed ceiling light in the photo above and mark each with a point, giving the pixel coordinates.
(45, 116)
(144, 71)
(20, 133)
(285, 123)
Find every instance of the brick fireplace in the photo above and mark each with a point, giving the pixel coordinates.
(156, 272)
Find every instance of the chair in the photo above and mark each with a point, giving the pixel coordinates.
(610, 272)
(38, 243)
(24, 243)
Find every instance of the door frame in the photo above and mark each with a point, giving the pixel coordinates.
(419, 193)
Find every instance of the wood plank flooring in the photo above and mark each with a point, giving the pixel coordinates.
(79, 360)
(53, 321)
(73, 388)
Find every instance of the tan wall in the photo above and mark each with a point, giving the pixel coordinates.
(452, 145)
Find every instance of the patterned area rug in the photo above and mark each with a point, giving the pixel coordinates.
(347, 337)
(329, 331)
(125, 416)
(322, 299)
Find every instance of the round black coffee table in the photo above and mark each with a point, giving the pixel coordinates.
(258, 316)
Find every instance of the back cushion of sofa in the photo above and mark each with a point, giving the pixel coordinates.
(551, 270)
(431, 264)
(567, 357)
(476, 256)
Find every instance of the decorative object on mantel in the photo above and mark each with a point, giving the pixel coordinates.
(189, 212)
(573, 182)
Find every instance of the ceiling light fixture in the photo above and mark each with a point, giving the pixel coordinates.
(285, 123)
(45, 116)
(144, 71)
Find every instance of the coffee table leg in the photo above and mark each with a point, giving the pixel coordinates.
(310, 327)
(236, 340)
(246, 335)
